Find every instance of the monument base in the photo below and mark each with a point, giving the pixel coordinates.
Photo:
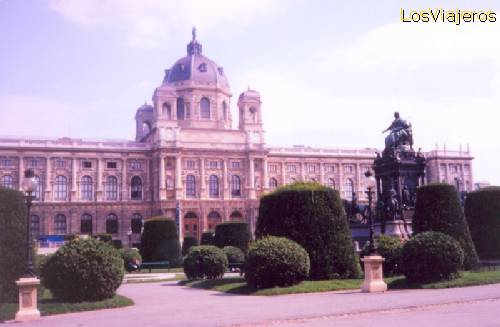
(396, 228)
(28, 309)
(374, 281)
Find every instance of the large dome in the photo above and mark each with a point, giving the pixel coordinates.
(197, 68)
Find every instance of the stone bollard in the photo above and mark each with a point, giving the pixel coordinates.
(28, 299)
(374, 278)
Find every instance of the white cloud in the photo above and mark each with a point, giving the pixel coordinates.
(148, 23)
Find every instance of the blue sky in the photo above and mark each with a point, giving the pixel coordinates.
(330, 73)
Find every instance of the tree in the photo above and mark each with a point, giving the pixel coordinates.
(160, 240)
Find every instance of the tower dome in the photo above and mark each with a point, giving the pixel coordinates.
(196, 68)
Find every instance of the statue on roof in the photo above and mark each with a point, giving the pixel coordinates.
(193, 33)
(400, 133)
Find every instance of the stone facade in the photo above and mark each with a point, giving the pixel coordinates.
(186, 154)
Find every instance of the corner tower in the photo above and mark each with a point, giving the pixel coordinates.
(250, 116)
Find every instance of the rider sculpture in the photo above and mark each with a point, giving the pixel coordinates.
(400, 135)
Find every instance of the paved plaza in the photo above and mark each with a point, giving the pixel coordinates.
(168, 304)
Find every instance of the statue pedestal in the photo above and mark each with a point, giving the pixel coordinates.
(396, 228)
(374, 281)
(28, 299)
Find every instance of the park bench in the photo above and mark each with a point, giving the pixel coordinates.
(489, 264)
(154, 264)
(236, 266)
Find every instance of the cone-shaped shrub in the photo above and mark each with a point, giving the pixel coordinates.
(276, 261)
(160, 240)
(482, 210)
(12, 243)
(83, 270)
(233, 234)
(207, 238)
(189, 241)
(438, 209)
(313, 216)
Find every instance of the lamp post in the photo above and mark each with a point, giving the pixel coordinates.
(374, 281)
(28, 283)
(129, 233)
(371, 182)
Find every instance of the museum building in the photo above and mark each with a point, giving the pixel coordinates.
(185, 156)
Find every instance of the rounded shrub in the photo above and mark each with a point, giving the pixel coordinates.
(431, 256)
(205, 261)
(438, 209)
(160, 240)
(12, 242)
(389, 248)
(189, 241)
(482, 210)
(276, 261)
(234, 234)
(313, 216)
(83, 270)
(207, 238)
(131, 259)
(234, 254)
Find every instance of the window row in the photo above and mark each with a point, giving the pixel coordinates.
(213, 186)
(183, 111)
(60, 226)
(191, 220)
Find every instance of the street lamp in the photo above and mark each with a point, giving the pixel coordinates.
(371, 183)
(29, 186)
(129, 233)
(28, 283)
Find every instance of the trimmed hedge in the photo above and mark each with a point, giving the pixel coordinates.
(83, 270)
(431, 256)
(233, 234)
(389, 248)
(205, 261)
(105, 237)
(189, 241)
(438, 209)
(276, 261)
(313, 216)
(482, 210)
(131, 259)
(160, 240)
(207, 238)
(12, 242)
(234, 254)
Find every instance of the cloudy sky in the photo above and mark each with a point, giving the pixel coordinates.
(331, 73)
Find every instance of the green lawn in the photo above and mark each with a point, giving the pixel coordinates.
(237, 285)
(50, 306)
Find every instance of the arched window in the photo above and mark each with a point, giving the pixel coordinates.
(213, 186)
(35, 227)
(180, 109)
(214, 218)
(190, 186)
(111, 188)
(235, 185)
(136, 223)
(136, 188)
(86, 224)
(349, 189)
(191, 223)
(7, 181)
(86, 188)
(205, 108)
(236, 215)
(112, 224)
(330, 183)
(273, 183)
(38, 189)
(170, 183)
(167, 111)
(224, 110)
(146, 128)
(253, 114)
(60, 224)
(214, 215)
(61, 188)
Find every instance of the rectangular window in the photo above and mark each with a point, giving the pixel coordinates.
(292, 168)
(60, 163)
(191, 164)
(111, 164)
(135, 164)
(235, 164)
(348, 169)
(312, 168)
(5, 162)
(213, 164)
(87, 164)
(273, 168)
(33, 163)
(330, 169)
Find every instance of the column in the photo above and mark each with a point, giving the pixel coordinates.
(321, 173)
(48, 179)
(74, 192)
(341, 179)
(202, 177)
(179, 195)
(283, 176)
(266, 174)
(21, 174)
(163, 186)
(303, 171)
(359, 191)
(99, 193)
(124, 190)
(225, 183)
(251, 179)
